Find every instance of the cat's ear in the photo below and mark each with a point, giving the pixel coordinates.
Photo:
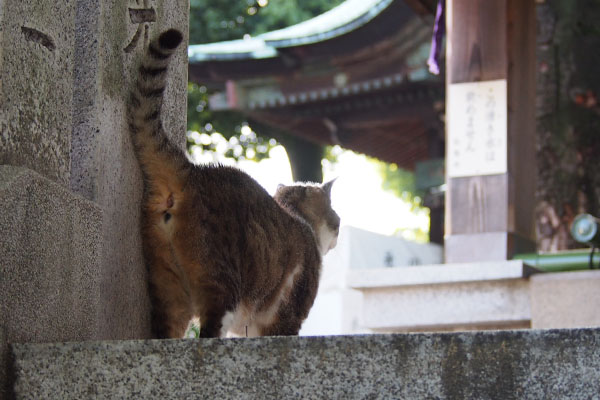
(327, 187)
(280, 186)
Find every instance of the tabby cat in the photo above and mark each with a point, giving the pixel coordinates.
(218, 247)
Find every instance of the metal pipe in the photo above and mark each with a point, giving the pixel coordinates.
(568, 260)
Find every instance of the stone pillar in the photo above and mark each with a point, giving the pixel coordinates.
(109, 40)
(71, 262)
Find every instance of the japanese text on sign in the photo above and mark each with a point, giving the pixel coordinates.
(477, 120)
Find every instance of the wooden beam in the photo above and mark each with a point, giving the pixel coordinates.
(490, 217)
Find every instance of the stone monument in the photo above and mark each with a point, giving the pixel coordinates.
(71, 266)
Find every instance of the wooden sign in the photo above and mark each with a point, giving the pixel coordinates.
(477, 128)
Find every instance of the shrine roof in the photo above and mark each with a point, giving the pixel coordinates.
(355, 76)
(344, 18)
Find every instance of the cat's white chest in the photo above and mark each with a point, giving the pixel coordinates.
(327, 239)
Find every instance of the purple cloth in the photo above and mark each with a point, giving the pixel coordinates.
(439, 29)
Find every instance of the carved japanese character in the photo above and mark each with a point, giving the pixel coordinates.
(143, 17)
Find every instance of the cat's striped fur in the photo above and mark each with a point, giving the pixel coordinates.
(218, 247)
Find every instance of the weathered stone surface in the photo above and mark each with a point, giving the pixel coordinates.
(36, 85)
(65, 71)
(565, 299)
(474, 305)
(483, 365)
(484, 295)
(49, 263)
(104, 168)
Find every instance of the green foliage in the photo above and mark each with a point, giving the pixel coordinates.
(218, 20)
(245, 144)
(400, 182)
(331, 153)
(197, 107)
(225, 133)
(283, 13)
(193, 330)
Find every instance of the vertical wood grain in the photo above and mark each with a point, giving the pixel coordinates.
(521, 116)
(477, 40)
(490, 40)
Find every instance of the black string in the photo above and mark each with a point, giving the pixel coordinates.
(592, 257)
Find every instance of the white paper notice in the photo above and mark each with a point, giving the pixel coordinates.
(477, 116)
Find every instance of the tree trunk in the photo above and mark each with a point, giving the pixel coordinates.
(568, 118)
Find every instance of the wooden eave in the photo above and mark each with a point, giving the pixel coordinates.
(362, 90)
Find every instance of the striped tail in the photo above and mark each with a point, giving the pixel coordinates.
(160, 159)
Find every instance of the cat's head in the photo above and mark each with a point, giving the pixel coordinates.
(313, 202)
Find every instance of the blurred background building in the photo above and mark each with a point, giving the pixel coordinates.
(356, 76)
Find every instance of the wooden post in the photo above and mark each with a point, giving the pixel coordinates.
(491, 130)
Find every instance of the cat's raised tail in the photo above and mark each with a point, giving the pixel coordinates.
(152, 145)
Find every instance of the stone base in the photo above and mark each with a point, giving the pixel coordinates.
(486, 295)
(502, 365)
(565, 299)
(49, 265)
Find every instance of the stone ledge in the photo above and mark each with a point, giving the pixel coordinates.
(457, 306)
(438, 274)
(526, 364)
(449, 297)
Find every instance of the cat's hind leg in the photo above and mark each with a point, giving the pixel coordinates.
(282, 327)
(212, 323)
(216, 312)
(171, 300)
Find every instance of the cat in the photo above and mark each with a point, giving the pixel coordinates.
(217, 245)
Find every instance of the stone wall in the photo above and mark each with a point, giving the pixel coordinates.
(557, 364)
(36, 69)
(65, 69)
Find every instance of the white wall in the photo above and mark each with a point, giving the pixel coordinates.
(337, 308)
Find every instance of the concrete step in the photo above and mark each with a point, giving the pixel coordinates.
(528, 364)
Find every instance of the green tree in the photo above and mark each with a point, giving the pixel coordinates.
(216, 20)
(402, 183)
